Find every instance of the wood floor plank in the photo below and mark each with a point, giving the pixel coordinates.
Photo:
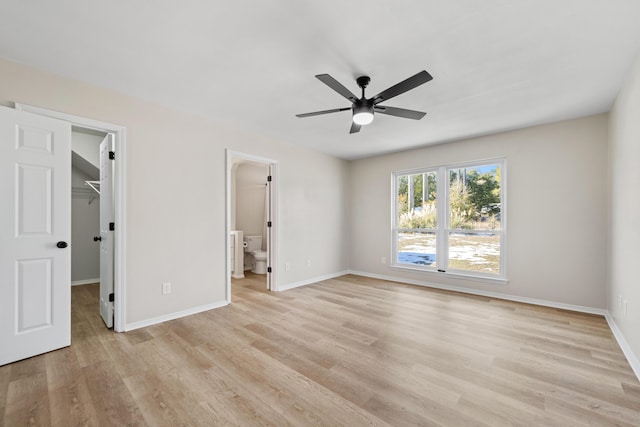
(71, 404)
(109, 395)
(28, 400)
(348, 351)
(5, 374)
(284, 388)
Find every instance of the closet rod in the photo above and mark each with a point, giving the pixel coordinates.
(93, 184)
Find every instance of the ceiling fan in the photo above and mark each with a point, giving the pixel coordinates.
(364, 108)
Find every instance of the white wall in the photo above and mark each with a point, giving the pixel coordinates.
(624, 158)
(176, 200)
(85, 224)
(87, 145)
(251, 179)
(176, 194)
(556, 205)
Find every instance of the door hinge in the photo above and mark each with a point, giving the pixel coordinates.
(269, 178)
(268, 223)
(112, 155)
(112, 226)
(111, 297)
(268, 269)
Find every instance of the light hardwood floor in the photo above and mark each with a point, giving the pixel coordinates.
(348, 351)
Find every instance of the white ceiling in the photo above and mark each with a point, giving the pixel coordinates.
(497, 64)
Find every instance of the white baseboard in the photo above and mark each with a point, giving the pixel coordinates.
(622, 342)
(85, 282)
(172, 316)
(545, 303)
(310, 281)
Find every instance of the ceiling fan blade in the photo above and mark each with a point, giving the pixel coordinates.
(317, 113)
(399, 112)
(355, 127)
(400, 88)
(337, 86)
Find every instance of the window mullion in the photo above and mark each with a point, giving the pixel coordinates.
(395, 212)
(442, 212)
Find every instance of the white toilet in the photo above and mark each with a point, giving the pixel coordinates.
(253, 246)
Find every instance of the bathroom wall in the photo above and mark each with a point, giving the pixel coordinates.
(251, 179)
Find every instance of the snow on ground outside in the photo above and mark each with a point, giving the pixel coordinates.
(420, 249)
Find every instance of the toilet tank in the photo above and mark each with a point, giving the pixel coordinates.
(254, 243)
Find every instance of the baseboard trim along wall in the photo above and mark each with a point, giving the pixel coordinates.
(498, 295)
(85, 282)
(628, 353)
(311, 281)
(173, 316)
(626, 350)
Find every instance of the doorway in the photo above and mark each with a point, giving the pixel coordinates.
(86, 213)
(85, 205)
(114, 141)
(251, 225)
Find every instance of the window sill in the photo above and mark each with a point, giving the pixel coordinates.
(452, 275)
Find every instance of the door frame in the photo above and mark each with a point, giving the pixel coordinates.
(119, 198)
(273, 249)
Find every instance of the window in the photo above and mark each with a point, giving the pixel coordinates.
(450, 219)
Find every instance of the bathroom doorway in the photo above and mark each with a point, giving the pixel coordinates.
(251, 226)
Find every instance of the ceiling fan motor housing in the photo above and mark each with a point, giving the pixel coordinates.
(363, 81)
(363, 108)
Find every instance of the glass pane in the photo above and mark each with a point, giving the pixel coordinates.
(417, 201)
(429, 199)
(475, 251)
(474, 197)
(402, 196)
(418, 248)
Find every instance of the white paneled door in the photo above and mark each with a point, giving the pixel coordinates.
(106, 230)
(35, 230)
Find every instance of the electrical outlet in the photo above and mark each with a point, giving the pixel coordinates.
(624, 307)
(166, 288)
(287, 266)
(308, 263)
(383, 260)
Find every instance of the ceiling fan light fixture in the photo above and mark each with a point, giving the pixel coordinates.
(362, 115)
(362, 109)
(363, 118)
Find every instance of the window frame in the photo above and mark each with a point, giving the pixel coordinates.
(443, 225)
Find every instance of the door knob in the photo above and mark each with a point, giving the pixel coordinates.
(61, 244)
(97, 239)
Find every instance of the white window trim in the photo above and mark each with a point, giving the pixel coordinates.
(442, 250)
